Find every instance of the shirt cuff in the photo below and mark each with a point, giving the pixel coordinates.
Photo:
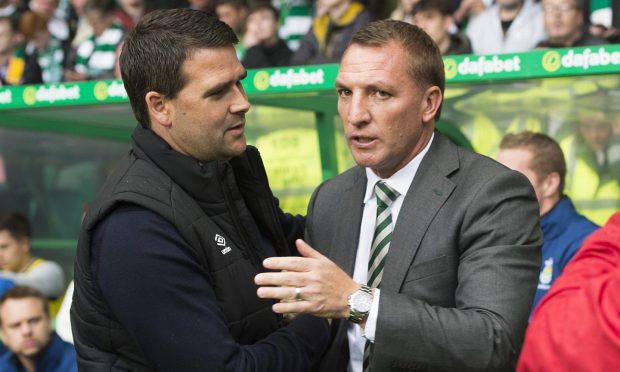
(371, 322)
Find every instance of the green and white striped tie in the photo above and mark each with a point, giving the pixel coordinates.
(380, 246)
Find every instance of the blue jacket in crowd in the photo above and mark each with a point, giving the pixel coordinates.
(564, 230)
(59, 356)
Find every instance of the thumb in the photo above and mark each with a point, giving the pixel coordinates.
(306, 250)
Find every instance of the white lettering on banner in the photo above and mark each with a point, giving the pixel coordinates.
(117, 89)
(58, 93)
(587, 58)
(484, 65)
(6, 97)
(291, 78)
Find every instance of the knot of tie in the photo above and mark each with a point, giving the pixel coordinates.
(385, 194)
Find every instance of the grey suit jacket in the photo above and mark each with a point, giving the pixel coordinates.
(462, 268)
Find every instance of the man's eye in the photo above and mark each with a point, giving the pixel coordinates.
(344, 92)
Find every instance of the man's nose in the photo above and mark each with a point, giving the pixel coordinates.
(241, 104)
(26, 329)
(358, 111)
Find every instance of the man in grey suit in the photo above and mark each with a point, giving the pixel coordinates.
(433, 268)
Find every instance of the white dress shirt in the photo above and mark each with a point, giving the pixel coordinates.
(399, 181)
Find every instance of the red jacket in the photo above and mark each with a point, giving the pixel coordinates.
(576, 327)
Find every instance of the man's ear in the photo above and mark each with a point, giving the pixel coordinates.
(551, 185)
(24, 244)
(159, 109)
(431, 101)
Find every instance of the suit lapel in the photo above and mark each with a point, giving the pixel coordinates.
(344, 247)
(428, 192)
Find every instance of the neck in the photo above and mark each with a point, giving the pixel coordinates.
(547, 204)
(271, 41)
(508, 13)
(338, 11)
(27, 363)
(568, 40)
(26, 262)
(444, 44)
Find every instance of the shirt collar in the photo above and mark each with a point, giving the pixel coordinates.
(401, 180)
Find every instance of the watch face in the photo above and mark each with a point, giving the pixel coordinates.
(361, 301)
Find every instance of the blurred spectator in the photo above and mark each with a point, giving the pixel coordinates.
(564, 24)
(435, 18)
(266, 49)
(96, 56)
(18, 264)
(540, 159)
(575, 327)
(605, 20)
(44, 48)
(332, 28)
(403, 11)
(58, 28)
(12, 10)
(26, 328)
(295, 20)
(15, 67)
(117, 56)
(204, 5)
(468, 9)
(508, 26)
(234, 13)
(79, 24)
(5, 285)
(130, 12)
(592, 178)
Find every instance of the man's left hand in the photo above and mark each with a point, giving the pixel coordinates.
(323, 286)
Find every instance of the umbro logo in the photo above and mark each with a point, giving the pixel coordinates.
(219, 240)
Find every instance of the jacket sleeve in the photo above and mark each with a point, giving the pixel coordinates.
(153, 284)
(575, 327)
(499, 243)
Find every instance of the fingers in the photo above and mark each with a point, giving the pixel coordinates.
(288, 294)
(298, 264)
(284, 278)
(307, 251)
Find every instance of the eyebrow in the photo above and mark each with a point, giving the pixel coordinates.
(224, 84)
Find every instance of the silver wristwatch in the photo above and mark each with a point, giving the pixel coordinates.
(360, 302)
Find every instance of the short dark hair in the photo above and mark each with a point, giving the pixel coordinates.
(155, 50)
(424, 58)
(547, 155)
(441, 6)
(21, 291)
(16, 224)
(234, 3)
(100, 6)
(264, 6)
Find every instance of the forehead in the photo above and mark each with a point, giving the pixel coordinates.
(429, 13)
(16, 309)
(5, 26)
(226, 8)
(212, 65)
(516, 158)
(387, 62)
(6, 235)
(262, 13)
